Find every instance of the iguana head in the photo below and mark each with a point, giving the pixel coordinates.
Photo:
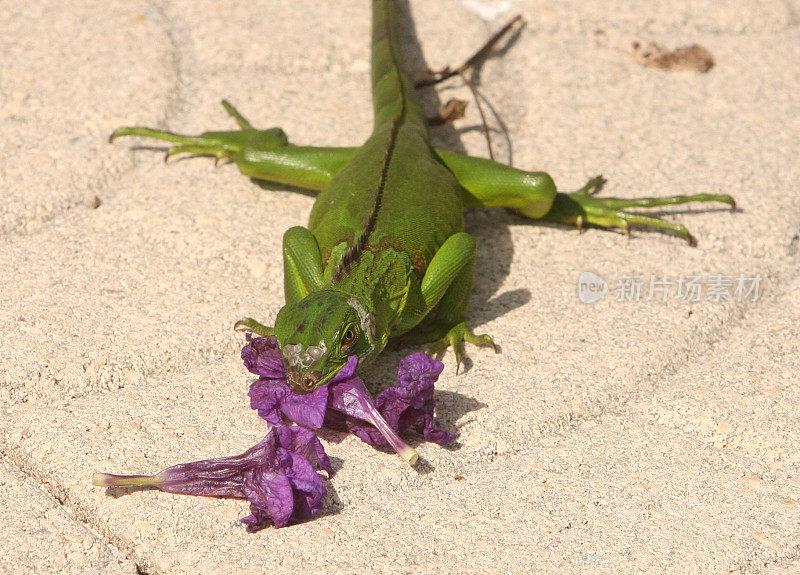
(318, 334)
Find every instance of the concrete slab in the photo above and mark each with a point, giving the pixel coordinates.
(40, 535)
(613, 437)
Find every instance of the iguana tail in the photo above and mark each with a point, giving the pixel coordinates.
(393, 93)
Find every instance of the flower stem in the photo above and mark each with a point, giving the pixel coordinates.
(402, 448)
(112, 480)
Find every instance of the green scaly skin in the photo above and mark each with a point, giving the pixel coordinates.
(385, 247)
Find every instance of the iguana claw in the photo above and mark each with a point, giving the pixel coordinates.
(583, 207)
(248, 323)
(456, 336)
(221, 145)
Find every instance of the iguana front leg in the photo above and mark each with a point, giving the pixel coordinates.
(445, 288)
(302, 264)
(260, 154)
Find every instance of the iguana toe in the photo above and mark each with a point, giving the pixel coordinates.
(455, 337)
(249, 324)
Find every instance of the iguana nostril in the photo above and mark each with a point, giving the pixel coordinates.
(302, 382)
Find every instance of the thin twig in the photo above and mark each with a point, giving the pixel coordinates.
(448, 72)
(484, 123)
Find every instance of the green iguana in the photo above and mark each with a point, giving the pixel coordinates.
(385, 247)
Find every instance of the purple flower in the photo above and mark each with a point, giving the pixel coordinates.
(350, 403)
(408, 404)
(271, 395)
(411, 402)
(278, 476)
(344, 404)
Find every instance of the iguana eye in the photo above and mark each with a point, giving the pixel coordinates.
(349, 338)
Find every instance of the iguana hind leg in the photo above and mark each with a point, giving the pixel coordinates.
(533, 194)
(262, 154)
(584, 207)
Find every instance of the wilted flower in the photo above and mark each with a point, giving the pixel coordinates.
(408, 404)
(278, 476)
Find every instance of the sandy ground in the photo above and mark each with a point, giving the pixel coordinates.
(614, 437)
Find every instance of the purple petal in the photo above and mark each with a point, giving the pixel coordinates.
(307, 486)
(417, 373)
(352, 399)
(306, 409)
(220, 477)
(271, 498)
(271, 395)
(266, 396)
(411, 403)
(348, 371)
(273, 398)
(366, 432)
(262, 356)
(304, 442)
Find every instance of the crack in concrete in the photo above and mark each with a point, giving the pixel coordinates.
(737, 316)
(175, 100)
(74, 508)
(569, 423)
(792, 10)
(100, 185)
(785, 561)
(58, 498)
